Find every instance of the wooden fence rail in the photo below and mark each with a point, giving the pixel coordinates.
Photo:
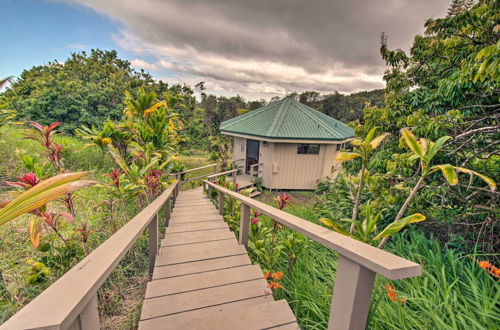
(71, 302)
(195, 169)
(357, 265)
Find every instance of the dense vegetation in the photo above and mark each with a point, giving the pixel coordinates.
(454, 291)
(422, 170)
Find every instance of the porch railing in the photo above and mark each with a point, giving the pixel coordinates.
(357, 265)
(71, 302)
(255, 169)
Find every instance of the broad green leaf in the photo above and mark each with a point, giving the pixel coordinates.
(398, 225)
(412, 143)
(329, 223)
(491, 183)
(413, 157)
(378, 140)
(449, 173)
(356, 142)
(345, 156)
(370, 135)
(436, 147)
(44, 192)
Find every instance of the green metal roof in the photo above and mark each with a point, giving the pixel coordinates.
(288, 119)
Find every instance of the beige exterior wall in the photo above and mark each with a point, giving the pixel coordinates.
(283, 168)
(293, 171)
(266, 153)
(330, 166)
(239, 149)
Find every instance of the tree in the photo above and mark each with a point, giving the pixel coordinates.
(448, 85)
(85, 89)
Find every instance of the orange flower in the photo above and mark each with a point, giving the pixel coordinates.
(484, 264)
(266, 276)
(277, 275)
(274, 285)
(495, 271)
(390, 292)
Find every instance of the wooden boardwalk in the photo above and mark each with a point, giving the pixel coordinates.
(203, 279)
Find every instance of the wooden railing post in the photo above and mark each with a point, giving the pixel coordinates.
(215, 168)
(168, 209)
(178, 177)
(351, 295)
(221, 203)
(153, 243)
(244, 224)
(234, 178)
(209, 192)
(89, 317)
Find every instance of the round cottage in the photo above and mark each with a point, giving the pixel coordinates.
(287, 144)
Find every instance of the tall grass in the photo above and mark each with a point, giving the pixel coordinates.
(121, 296)
(453, 292)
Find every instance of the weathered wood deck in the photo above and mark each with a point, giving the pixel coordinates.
(204, 279)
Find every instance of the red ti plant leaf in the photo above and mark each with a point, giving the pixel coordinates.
(25, 182)
(283, 200)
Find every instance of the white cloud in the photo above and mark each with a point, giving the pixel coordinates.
(263, 47)
(140, 64)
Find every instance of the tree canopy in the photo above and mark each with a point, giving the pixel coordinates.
(85, 89)
(448, 84)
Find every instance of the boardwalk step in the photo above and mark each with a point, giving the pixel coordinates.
(187, 301)
(201, 266)
(199, 251)
(197, 237)
(204, 279)
(266, 315)
(191, 282)
(195, 217)
(196, 226)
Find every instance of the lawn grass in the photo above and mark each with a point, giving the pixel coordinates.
(196, 159)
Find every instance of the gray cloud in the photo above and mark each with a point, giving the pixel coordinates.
(315, 44)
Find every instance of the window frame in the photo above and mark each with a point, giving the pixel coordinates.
(308, 148)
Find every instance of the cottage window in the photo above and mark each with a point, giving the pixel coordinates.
(340, 146)
(308, 149)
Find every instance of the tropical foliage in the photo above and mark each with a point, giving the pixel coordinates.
(5, 114)
(443, 102)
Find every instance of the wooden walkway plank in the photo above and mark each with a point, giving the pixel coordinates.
(197, 237)
(179, 284)
(199, 251)
(178, 228)
(187, 301)
(201, 266)
(260, 316)
(174, 321)
(204, 279)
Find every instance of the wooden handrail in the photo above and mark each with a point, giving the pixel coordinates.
(193, 169)
(252, 168)
(71, 302)
(357, 265)
(222, 173)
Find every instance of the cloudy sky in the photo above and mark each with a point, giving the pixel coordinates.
(255, 48)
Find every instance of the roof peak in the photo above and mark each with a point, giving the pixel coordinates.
(288, 119)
